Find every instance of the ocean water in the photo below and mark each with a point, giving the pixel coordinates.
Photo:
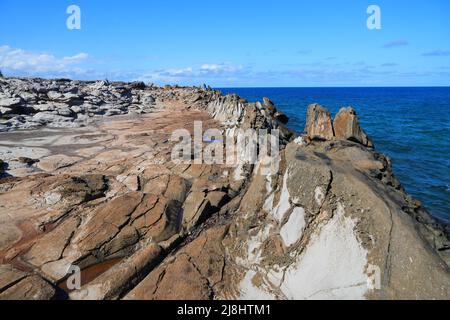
(410, 125)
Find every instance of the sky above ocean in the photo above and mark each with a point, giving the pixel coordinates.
(230, 43)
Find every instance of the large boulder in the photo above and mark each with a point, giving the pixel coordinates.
(46, 118)
(319, 123)
(10, 102)
(346, 127)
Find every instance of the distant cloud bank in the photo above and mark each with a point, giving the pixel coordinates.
(396, 43)
(22, 61)
(437, 53)
(389, 64)
(328, 71)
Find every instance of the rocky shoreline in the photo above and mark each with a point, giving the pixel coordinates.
(88, 181)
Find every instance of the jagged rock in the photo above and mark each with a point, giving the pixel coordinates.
(10, 102)
(269, 105)
(56, 162)
(197, 208)
(284, 119)
(79, 109)
(44, 107)
(2, 166)
(83, 188)
(187, 275)
(53, 95)
(65, 111)
(107, 221)
(217, 198)
(180, 280)
(346, 126)
(55, 103)
(177, 189)
(319, 123)
(138, 85)
(108, 199)
(51, 246)
(121, 277)
(113, 112)
(131, 181)
(45, 118)
(6, 111)
(15, 284)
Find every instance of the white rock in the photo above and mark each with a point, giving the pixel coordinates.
(292, 230)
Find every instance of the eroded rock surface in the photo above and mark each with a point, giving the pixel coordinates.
(346, 127)
(319, 123)
(96, 187)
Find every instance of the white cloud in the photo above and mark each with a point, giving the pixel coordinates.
(30, 63)
(202, 73)
(219, 68)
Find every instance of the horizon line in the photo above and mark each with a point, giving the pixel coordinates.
(312, 87)
(230, 87)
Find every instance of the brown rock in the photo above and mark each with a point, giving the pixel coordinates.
(51, 246)
(107, 221)
(56, 162)
(157, 185)
(346, 127)
(319, 123)
(197, 208)
(9, 275)
(80, 189)
(179, 280)
(169, 223)
(157, 218)
(207, 253)
(120, 277)
(218, 198)
(123, 241)
(176, 189)
(269, 105)
(18, 285)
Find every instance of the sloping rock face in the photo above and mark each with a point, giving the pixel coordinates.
(319, 123)
(346, 127)
(331, 223)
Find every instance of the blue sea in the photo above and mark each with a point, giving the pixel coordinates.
(410, 125)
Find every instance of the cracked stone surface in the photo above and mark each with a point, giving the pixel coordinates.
(88, 180)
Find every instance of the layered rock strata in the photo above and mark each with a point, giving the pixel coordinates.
(98, 189)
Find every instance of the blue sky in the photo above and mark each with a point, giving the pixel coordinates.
(244, 43)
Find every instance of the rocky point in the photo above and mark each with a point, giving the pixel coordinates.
(88, 180)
